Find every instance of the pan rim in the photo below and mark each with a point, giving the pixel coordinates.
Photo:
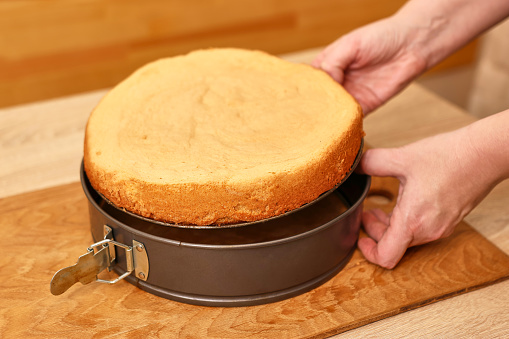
(351, 209)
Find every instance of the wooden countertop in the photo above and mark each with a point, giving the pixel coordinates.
(41, 146)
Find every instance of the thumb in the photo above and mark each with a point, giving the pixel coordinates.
(381, 162)
(336, 58)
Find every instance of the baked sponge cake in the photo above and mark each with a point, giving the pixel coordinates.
(221, 136)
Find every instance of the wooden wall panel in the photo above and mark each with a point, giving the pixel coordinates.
(57, 47)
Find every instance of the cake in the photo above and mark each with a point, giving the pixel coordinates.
(221, 136)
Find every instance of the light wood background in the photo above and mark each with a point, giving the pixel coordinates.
(56, 47)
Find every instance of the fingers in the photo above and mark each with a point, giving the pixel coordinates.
(382, 162)
(336, 73)
(375, 223)
(335, 59)
(388, 235)
(390, 247)
(317, 61)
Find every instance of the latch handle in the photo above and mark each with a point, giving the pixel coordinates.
(90, 264)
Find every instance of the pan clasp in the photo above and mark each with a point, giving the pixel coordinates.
(101, 256)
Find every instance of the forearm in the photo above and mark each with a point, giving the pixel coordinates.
(440, 27)
(489, 140)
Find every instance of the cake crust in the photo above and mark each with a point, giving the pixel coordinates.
(221, 136)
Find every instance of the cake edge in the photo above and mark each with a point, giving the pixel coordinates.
(263, 199)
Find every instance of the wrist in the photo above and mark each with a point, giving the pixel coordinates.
(424, 28)
(437, 28)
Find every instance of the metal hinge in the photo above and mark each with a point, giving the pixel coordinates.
(101, 256)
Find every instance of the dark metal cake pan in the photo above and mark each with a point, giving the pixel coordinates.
(237, 266)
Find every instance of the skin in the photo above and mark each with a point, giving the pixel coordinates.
(439, 185)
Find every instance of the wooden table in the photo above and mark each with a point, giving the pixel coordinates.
(41, 146)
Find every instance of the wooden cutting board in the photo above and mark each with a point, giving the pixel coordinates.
(43, 231)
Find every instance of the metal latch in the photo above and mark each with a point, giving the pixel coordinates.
(101, 256)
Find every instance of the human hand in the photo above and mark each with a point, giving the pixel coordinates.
(374, 62)
(442, 179)
(377, 61)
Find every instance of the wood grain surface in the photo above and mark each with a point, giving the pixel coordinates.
(55, 48)
(43, 231)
